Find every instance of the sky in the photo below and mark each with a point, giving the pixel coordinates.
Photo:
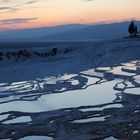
(40, 13)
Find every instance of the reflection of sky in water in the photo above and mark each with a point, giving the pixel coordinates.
(135, 91)
(110, 138)
(36, 138)
(93, 95)
(137, 79)
(2, 89)
(118, 70)
(89, 120)
(96, 94)
(2, 117)
(19, 120)
(103, 68)
(91, 80)
(101, 108)
(104, 91)
(93, 72)
(24, 106)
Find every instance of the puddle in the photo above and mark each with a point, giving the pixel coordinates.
(91, 80)
(135, 91)
(129, 84)
(2, 117)
(89, 120)
(101, 108)
(110, 138)
(93, 95)
(23, 106)
(137, 79)
(118, 71)
(129, 64)
(120, 86)
(103, 69)
(92, 72)
(36, 138)
(19, 120)
(75, 82)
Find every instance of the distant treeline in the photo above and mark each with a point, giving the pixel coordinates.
(24, 54)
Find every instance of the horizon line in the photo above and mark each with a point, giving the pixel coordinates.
(90, 24)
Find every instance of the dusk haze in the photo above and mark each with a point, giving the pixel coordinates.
(39, 13)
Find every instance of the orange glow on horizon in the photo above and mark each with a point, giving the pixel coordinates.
(59, 12)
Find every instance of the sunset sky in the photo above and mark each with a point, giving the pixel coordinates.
(38, 13)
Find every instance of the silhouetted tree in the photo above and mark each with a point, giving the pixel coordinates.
(133, 29)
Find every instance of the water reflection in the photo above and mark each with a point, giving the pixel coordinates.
(36, 138)
(91, 87)
(69, 104)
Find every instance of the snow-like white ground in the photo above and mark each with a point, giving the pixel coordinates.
(52, 97)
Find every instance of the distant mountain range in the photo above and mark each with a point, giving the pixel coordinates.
(69, 32)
